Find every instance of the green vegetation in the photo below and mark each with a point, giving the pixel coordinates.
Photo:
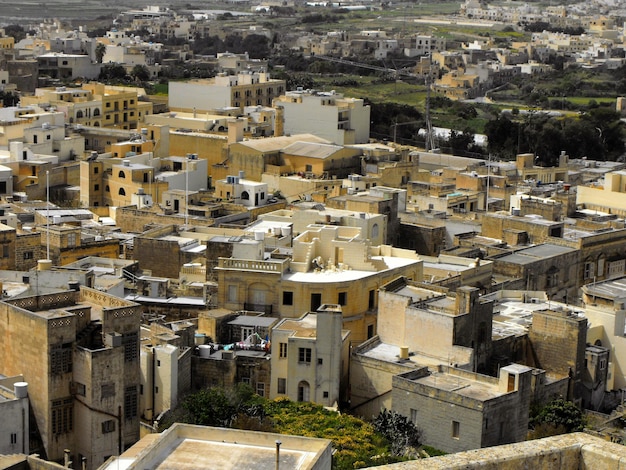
(557, 417)
(357, 443)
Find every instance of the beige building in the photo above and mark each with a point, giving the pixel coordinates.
(609, 196)
(605, 306)
(310, 357)
(201, 447)
(460, 410)
(330, 265)
(79, 352)
(223, 91)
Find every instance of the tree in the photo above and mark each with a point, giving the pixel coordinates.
(401, 432)
(113, 72)
(140, 73)
(101, 49)
(557, 417)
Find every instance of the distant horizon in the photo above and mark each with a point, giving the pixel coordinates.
(34, 12)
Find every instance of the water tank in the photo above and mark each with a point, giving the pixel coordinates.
(199, 339)
(126, 162)
(285, 231)
(259, 235)
(241, 174)
(404, 352)
(20, 389)
(205, 350)
(44, 265)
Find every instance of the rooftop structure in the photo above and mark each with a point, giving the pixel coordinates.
(185, 446)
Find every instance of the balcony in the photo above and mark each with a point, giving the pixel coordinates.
(268, 266)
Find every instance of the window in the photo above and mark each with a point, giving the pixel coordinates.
(304, 355)
(589, 271)
(131, 346)
(260, 389)
(320, 361)
(13, 438)
(61, 359)
(413, 415)
(602, 364)
(48, 136)
(122, 192)
(370, 331)
(371, 303)
(28, 255)
(287, 298)
(342, 298)
(308, 168)
(62, 416)
(5, 251)
(108, 426)
(71, 239)
(283, 350)
(80, 389)
(107, 189)
(130, 402)
(96, 187)
(282, 386)
(107, 390)
(232, 293)
(158, 363)
(95, 170)
(456, 429)
(316, 302)
(121, 174)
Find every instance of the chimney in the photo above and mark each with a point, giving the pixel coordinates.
(235, 130)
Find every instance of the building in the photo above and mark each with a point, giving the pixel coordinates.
(605, 307)
(15, 410)
(202, 447)
(330, 265)
(342, 121)
(310, 357)
(459, 410)
(238, 91)
(121, 106)
(79, 351)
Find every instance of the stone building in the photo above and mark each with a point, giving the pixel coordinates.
(82, 351)
(459, 410)
(310, 357)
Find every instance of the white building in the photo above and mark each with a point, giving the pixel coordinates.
(245, 192)
(342, 121)
(14, 409)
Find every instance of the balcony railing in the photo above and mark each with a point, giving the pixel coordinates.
(272, 266)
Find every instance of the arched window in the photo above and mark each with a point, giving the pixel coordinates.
(375, 231)
(121, 174)
(245, 196)
(79, 114)
(122, 192)
(96, 112)
(304, 391)
(107, 189)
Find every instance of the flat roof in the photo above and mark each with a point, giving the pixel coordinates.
(613, 289)
(343, 275)
(245, 320)
(190, 447)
